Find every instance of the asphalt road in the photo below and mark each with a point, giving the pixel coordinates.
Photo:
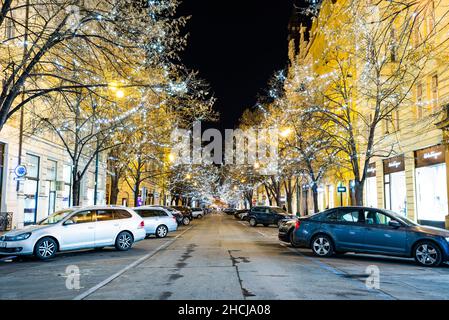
(218, 257)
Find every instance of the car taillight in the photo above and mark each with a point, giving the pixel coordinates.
(174, 218)
(297, 224)
(141, 224)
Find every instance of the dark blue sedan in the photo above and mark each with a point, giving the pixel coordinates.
(369, 230)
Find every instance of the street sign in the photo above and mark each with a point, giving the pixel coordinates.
(20, 171)
(341, 189)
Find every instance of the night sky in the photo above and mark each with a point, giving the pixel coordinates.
(236, 46)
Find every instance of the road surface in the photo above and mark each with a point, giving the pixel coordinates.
(218, 257)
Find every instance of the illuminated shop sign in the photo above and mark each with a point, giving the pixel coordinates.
(430, 156)
(395, 164)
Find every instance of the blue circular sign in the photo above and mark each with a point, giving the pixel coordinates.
(20, 171)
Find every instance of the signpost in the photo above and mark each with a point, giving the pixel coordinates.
(20, 171)
(341, 190)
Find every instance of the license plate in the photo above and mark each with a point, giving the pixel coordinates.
(2, 244)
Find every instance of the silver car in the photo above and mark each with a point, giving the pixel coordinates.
(158, 221)
(76, 228)
(197, 213)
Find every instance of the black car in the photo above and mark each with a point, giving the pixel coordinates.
(286, 230)
(186, 212)
(266, 215)
(230, 211)
(240, 213)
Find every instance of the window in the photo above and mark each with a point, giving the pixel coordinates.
(9, 24)
(82, 217)
(121, 214)
(393, 45)
(52, 170)
(105, 215)
(32, 163)
(419, 101)
(344, 215)
(376, 217)
(146, 213)
(434, 91)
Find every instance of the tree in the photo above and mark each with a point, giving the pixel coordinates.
(44, 40)
(373, 57)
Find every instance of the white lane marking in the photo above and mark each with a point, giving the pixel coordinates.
(130, 266)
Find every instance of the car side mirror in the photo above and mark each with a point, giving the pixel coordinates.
(394, 224)
(69, 222)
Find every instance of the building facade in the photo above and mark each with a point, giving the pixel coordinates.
(47, 185)
(413, 178)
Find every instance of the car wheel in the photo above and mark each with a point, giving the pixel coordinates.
(124, 241)
(427, 254)
(45, 248)
(186, 221)
(161, 231)
(292, 242)
(322, 246)
(200, 216)
(252, 222)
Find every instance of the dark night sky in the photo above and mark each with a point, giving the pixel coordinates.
(236, 46)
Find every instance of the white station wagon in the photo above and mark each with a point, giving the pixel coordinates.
(76, 228)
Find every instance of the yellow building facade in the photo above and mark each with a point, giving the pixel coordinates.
(413, 178)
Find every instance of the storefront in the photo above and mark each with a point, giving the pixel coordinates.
(31, 189)
(395, 190)
(431, 186)
(371, 186)
(2, 166)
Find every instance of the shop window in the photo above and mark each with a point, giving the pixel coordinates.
(31, 189)
(431, 193)
(2, 165)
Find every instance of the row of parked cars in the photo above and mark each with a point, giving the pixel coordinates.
(355, 229)
(95, 227)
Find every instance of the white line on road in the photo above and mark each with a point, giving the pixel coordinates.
(130, 266)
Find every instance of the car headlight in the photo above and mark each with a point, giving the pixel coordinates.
(19, 237)
(447, 239)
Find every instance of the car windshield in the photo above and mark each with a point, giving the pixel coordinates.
(56, 217)
(402, 218)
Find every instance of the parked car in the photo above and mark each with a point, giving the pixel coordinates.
(286, 229)
(266, 215)
(187, 214)
(369, 230)
(180, 219)
(240, 213)
(76, 228)
(229, 211)
(158, 221)
(197, 213)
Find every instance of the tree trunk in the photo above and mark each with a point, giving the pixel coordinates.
(136, 192)
(113, 198)
(358, 188)
(315, 197)
(76, 188)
